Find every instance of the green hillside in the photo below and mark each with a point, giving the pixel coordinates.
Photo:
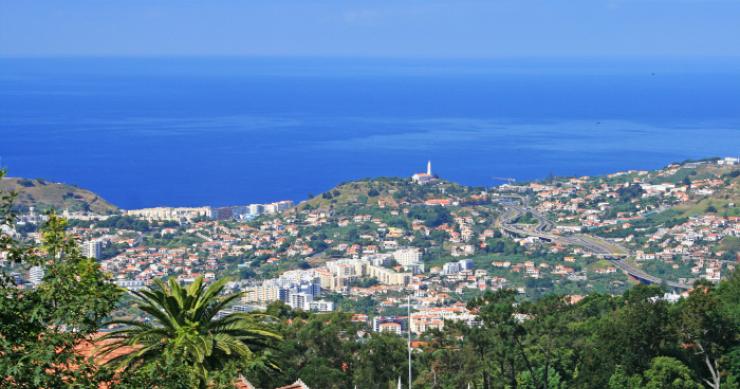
(723, 202)
(44, 195)
(384, 190)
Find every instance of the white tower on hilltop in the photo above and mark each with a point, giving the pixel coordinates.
(429, 168)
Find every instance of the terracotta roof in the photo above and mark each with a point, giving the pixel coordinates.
(91, 348)
(243, 383)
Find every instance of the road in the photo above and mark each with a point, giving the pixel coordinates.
(595, 245)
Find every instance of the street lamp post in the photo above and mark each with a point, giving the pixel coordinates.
(408, 306)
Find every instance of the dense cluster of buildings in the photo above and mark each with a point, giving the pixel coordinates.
(302, 288)
(598, 204)
(178, 214)
(171, 213)
(390, 261)
(696, 242)
(595, 202)
(299, 289)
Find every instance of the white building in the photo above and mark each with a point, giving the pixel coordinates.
(130, 284)
(300, 301)
(35, 275)
(457, 267)
(424, 178)
(270, 209)
(410, 259)
(730, 161)
(321, 306)
(171, 214)
(256, 209)
(392, 324)
(92, 249)
(408, 256)
(297, 288)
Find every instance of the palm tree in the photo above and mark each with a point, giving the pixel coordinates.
(185, 326)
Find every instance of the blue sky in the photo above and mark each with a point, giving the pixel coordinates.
(375, 28)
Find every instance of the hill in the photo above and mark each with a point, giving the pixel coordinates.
(723, 201)
(384, 191)
(44, 195)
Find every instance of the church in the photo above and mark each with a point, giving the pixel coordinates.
(424, 178)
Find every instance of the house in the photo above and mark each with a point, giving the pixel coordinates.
(243, 383)
(296, 385)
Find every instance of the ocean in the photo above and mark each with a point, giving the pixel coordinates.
(226, 131)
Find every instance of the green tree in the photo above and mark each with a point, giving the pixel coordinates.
(549, 340)
(636, 332)
(41, 327)
(708, 329)
(319, 349)
(381, 361)
(621, 380)
(187, 331)
(630, 192)
(668, 373)
(451, 360)
(502, 331)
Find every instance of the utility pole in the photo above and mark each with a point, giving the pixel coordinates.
(408, 306)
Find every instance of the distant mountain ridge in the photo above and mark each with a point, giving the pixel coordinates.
(44, 195)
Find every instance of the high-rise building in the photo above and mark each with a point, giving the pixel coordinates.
(300, 301)
(321, 306)
(92, 249)
(297, 292)
(35, 275)
(283, 205)
(256, 209)
(408, 256)
(457, 267)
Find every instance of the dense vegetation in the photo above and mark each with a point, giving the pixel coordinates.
(632, 341)
(41, 328)
(188, 332)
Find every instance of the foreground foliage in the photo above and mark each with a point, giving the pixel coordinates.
(40, 328)
(187, 331)
(637, 340)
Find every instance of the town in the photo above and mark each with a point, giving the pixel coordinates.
(379, 248)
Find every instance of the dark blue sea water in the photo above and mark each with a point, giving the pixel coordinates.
(220, 131)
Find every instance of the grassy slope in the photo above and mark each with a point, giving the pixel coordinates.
(353, 192)
(721, 200)
(43, 195)
(359, 192)
(726, 201)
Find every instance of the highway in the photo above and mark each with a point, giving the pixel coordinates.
(595, 245)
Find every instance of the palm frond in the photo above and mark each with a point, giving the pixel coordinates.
(184, 326)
